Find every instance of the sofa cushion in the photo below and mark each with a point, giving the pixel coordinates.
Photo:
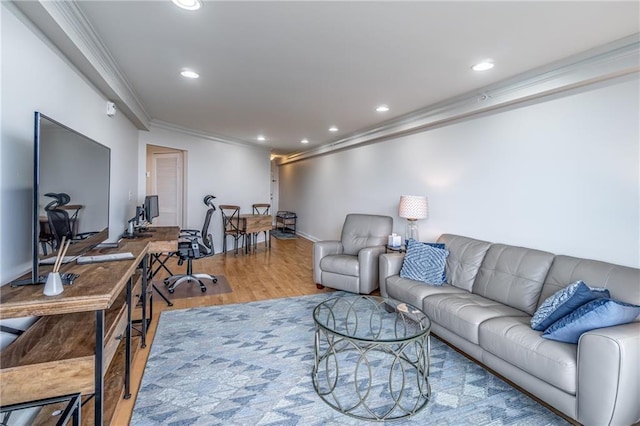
(462, 313)
(621, 281)
(464, 260)
(563, 302)
(413, 292)
(424, 263)
(513, 276)
(598, 313)
(341, 264)
(513, 340)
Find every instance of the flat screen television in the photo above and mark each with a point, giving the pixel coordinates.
(68, 162)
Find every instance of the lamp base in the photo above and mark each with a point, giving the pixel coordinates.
(412, 230)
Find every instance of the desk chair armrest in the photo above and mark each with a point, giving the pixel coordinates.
(189, 232)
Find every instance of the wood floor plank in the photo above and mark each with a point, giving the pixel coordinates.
(283, 271)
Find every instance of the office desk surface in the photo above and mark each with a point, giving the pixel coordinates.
(97, 286)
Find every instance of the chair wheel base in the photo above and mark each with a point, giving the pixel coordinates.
(319, 286)
(203, 289)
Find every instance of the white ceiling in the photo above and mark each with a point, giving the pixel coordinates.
(290, 70)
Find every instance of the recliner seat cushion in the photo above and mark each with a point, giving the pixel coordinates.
(513, 340)
(341, 264)
(462, 313)
(513, 276)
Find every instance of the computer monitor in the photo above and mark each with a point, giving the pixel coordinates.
(151, 208)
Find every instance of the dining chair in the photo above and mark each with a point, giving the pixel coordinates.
(232, 226)
(262, 208)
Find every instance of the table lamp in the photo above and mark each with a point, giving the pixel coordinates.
(412, 208)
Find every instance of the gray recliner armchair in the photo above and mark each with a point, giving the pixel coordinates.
(351, 264)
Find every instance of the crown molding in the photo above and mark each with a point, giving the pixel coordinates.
(68, 29)
(159, 124)
(607, 62)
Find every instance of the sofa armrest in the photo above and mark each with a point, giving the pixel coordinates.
(389, 265)
(368, 260)
(320, 250)
(609, 376)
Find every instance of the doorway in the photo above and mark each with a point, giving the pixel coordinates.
(165, 178)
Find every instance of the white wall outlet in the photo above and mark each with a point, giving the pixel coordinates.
(111, 109)
(130, 195)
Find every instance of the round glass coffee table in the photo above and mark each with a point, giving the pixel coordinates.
(371, 357)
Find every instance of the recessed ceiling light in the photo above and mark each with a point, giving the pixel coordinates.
(189, 74)
(261, 138)
(382, 108)
(483, 66)
(304, 141)
(188, 4)
(333, 129)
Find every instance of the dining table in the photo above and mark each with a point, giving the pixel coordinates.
(253, 224)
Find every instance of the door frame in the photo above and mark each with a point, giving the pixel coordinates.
(149, 184)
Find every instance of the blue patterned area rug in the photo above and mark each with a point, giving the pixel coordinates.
(250, 364)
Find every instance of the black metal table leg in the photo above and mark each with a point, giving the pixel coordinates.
(99, 368)
(143, 295)
(127, 343)
(155, 257)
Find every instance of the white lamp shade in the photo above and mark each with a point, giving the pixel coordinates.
(413, 207)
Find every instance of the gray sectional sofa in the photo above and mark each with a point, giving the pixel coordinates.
(485, 308)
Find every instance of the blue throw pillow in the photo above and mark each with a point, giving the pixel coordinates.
(424, 263)
(598, 313)
(563, 302)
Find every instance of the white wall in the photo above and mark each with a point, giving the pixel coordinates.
(235, 174)
(36, 78)
(560, 174)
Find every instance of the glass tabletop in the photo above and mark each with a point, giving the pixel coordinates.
(371, 318)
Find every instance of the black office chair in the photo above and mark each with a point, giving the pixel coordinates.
(60, 223)
(194, 244)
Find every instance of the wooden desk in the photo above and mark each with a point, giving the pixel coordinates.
(253, 224)
(72, 347)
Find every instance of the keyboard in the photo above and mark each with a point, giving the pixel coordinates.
(105, 258)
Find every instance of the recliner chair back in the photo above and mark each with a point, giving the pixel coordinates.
(365, 230)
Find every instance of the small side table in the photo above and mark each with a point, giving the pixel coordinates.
(398, 249)
(286, 220)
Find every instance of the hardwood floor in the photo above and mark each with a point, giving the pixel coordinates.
(283, 271)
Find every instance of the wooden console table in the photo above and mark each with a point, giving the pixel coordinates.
(82, 342)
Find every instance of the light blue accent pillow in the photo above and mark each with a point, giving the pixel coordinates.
(598, 313)
(424, 263)
(563, 302)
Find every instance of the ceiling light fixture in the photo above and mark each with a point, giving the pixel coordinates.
(189, 74)
(333, 129)
(483, 66)
(304, 141)
(382, 108)
(188, 4)
(261, 138)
